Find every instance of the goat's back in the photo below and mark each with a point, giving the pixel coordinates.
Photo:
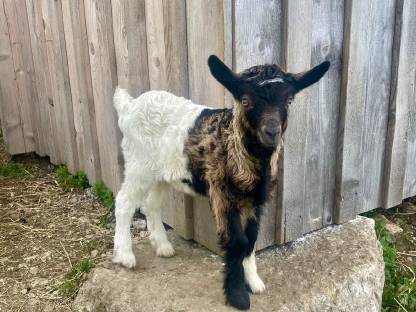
(155, 126)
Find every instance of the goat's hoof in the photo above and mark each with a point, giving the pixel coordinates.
(256, 285)
(165, 250)
(239, 299)
(126, 259)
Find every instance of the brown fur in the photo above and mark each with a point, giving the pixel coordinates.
(216, 148)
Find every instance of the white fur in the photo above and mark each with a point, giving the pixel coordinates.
(250, 273)
(155, 126)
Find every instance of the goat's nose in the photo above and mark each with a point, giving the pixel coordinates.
(271, 128)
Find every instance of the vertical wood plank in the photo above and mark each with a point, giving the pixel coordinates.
(167, 59)
(407, 92)
(23, 67)
(205, 29)
(258, 40)
(364, 107)
(59, 79)
(81, 87)
(129, 24)
(46, 122)
(297, 59)
(12, 127)
(104, 80)
(314, 34)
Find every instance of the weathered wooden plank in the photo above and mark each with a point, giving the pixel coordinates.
(258, 40)
(23, 67)
(298, 58)
(129, 24)
(81, 88)
(364, 107)
(205, 29)
(59, 78)
(396, 141)
(46, 122)
(314, 34)
(167, 59)
(12, 127)
(99, 23)
(407, 91)
(228, 7)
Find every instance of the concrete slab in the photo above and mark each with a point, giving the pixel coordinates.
(339, 268)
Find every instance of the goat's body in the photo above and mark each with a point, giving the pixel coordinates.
(168, 140)
(155, 127)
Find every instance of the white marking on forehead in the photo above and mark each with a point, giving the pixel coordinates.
(276, 79)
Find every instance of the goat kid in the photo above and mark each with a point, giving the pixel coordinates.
(224, 154)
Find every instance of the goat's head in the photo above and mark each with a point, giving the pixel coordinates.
(263, 94)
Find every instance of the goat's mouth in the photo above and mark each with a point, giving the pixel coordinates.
(267, 141)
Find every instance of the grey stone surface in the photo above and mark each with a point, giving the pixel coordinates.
(339, 268)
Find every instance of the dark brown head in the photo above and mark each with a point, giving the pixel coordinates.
(263, 93)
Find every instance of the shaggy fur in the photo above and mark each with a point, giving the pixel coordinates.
(228, 155)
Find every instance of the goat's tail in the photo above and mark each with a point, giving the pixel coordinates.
(121, 100)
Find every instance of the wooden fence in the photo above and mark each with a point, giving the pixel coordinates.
(351, 140)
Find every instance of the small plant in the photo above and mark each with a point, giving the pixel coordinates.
(75, 277)
(68, 182)
(105, 195)
(14, 170)
(399, 292)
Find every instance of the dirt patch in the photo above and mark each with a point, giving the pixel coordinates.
(44, 232)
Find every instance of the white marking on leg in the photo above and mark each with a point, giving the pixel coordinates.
(250, 273)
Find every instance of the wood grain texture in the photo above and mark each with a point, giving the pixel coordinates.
(23, 67)
(129, 25)
(258, 40)
(104, 80)
(81, 88)
(406, 92)
(46, 123)
(12, 127)
(297, 58)
(59, 79)
(167, 59)
(364, 107)
(314, 34)
(205, 32)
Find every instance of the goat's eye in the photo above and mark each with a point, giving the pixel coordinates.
(245, 102)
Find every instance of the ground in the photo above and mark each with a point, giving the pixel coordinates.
(49, 237)
(44, 233)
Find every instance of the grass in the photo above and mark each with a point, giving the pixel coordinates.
(75, 277)
(105, 195)
(69, 182)
(399, 292)
(14, 170)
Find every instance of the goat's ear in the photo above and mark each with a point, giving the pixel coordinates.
(223, 74)
(305, 79)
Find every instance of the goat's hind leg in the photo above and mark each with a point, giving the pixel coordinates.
(158, 197)
(128, 199)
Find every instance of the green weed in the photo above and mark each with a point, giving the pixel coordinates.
(399, 292)
(105, 195)
(68, 182)
(14, 170)
(75, 277)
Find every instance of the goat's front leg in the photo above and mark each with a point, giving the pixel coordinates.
(249, 263)
(236, 248)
